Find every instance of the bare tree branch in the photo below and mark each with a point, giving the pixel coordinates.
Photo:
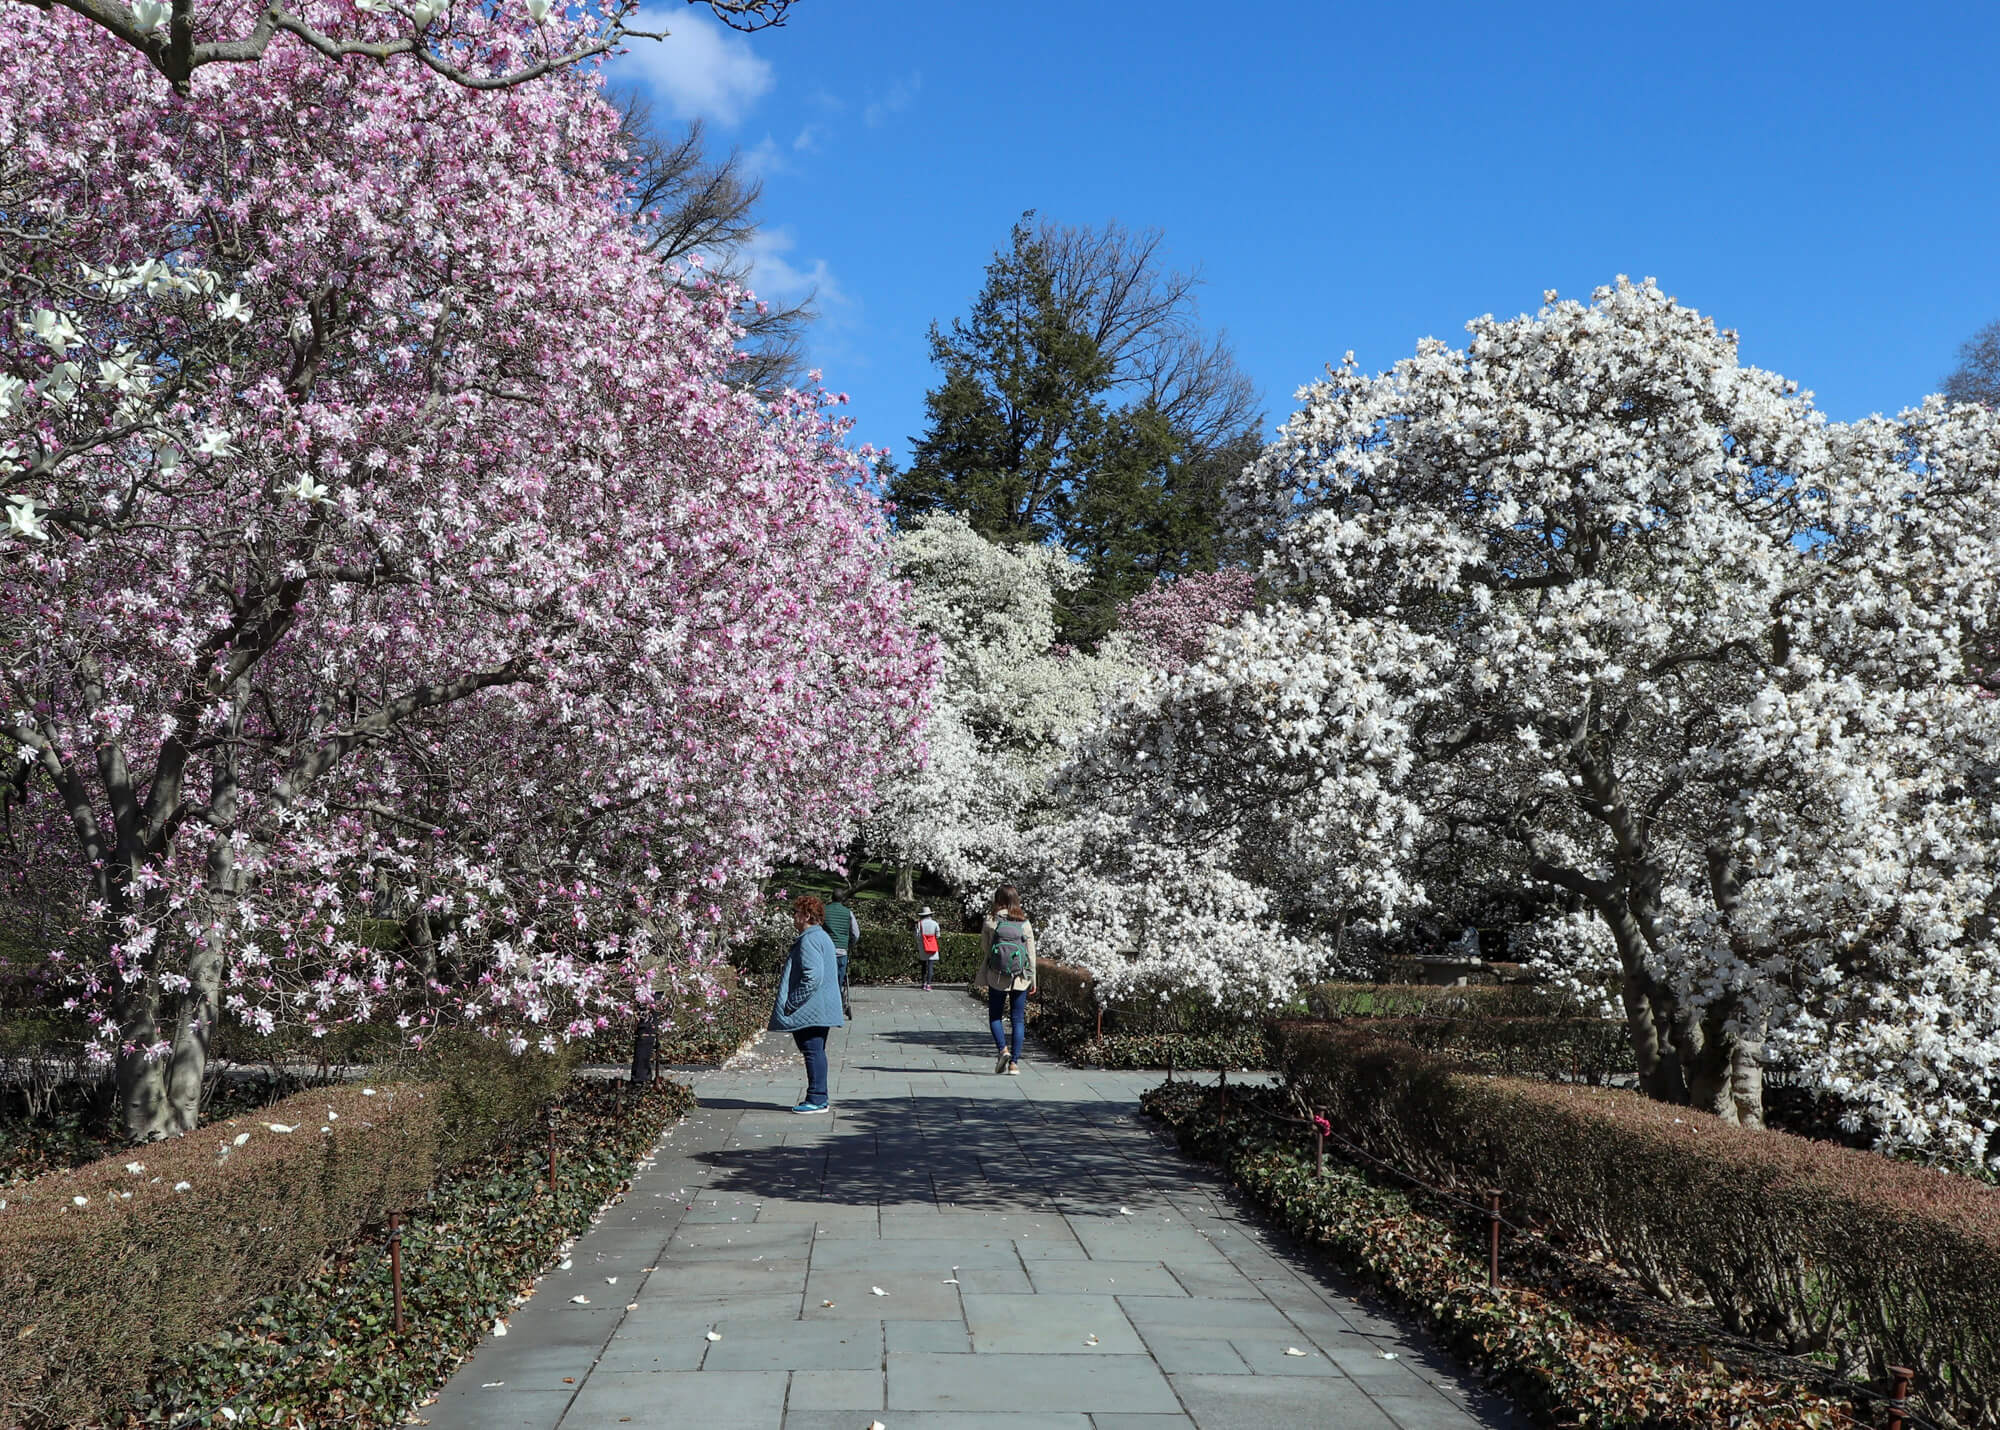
(173, 50)
(689, 204)
(1111, 283)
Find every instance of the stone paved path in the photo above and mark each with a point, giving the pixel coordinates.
(1048, 1263)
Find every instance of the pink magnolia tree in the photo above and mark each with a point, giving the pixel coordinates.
(399, 613)
(1170, 622)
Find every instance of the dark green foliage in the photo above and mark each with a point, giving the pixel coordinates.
(1551, 1352)
(1026, 440)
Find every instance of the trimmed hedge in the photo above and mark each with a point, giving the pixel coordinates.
(105, 1270)
(887, 956)
(1420, 1000)
(1181, 1033)
(1808, 1246)
(324, 1352)
(1568, 1368)
(1575, 1049)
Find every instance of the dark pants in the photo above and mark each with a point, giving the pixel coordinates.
(930, 967)
(812, 1042)
(1015, 1004)
(840, 957)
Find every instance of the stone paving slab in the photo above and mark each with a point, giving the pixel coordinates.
(1049, 1263)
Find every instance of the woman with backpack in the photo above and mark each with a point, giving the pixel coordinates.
(1007, 973)
(808, 1001)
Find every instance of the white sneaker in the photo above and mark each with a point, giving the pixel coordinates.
(1013, 1068)
(1004, 1063)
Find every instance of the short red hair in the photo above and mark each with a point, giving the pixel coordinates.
(809, 907)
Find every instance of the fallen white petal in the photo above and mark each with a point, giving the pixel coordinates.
(1293, 1351)
(565, 1265)
(1090, 1340)
(876, 1291)
(1388, 1355)
(1125, 1211)
(715, 1335)
(579, 1300)
(499, 1328)
(951, 1280)
(611, 1281)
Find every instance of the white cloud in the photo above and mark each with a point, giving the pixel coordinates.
(775, 277)
(765, 158)
(898, 99)
(808, 139)
(701, 70)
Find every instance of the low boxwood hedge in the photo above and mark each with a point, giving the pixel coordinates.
(1177, 1033)
(324, 1352)
(1564, 1367)
(106, 1269)
(1420, 1000)
(1811, 1247)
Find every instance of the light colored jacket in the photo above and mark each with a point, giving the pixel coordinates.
(927, 926)
(983, 979)
(809, 986)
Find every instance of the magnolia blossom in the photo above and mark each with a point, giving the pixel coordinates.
(1007, 703)
(425, 628)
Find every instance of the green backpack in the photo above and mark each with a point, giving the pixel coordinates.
(1009, 958)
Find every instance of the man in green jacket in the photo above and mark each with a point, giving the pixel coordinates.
(845, 931)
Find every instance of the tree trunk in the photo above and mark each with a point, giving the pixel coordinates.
(142, 1081)
(906, 882)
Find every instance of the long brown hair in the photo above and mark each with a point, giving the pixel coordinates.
(1007, 899)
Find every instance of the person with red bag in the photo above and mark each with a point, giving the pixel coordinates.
(928, 933)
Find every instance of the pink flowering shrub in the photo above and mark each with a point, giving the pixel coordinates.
(1170, 622)
(398, 611)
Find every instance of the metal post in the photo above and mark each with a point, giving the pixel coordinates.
(645, 1043)
(552, 1152)
(1222, 1084)
(1900, 1377)
(1493, 1240)
(396, 1265)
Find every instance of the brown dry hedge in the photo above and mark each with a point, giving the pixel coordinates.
(105, 1270)
(1814, 1248)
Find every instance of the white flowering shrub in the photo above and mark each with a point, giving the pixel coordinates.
(1008, 701)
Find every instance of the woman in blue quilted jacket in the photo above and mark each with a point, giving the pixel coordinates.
(808, 1002)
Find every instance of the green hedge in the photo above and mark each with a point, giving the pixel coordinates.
(1419, 1000)
(887, 955)
(1813, 1247)
(105, 1270)
(1565, 1366)
(1178, 1033)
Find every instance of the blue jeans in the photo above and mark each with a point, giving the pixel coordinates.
(812, 1042)
(1014, 1003)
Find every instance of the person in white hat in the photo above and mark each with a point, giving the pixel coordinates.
(927, 944)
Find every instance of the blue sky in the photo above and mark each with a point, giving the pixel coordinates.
(1820, 178)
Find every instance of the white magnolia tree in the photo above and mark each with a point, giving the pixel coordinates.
(1591, 609)
(1008, 701)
